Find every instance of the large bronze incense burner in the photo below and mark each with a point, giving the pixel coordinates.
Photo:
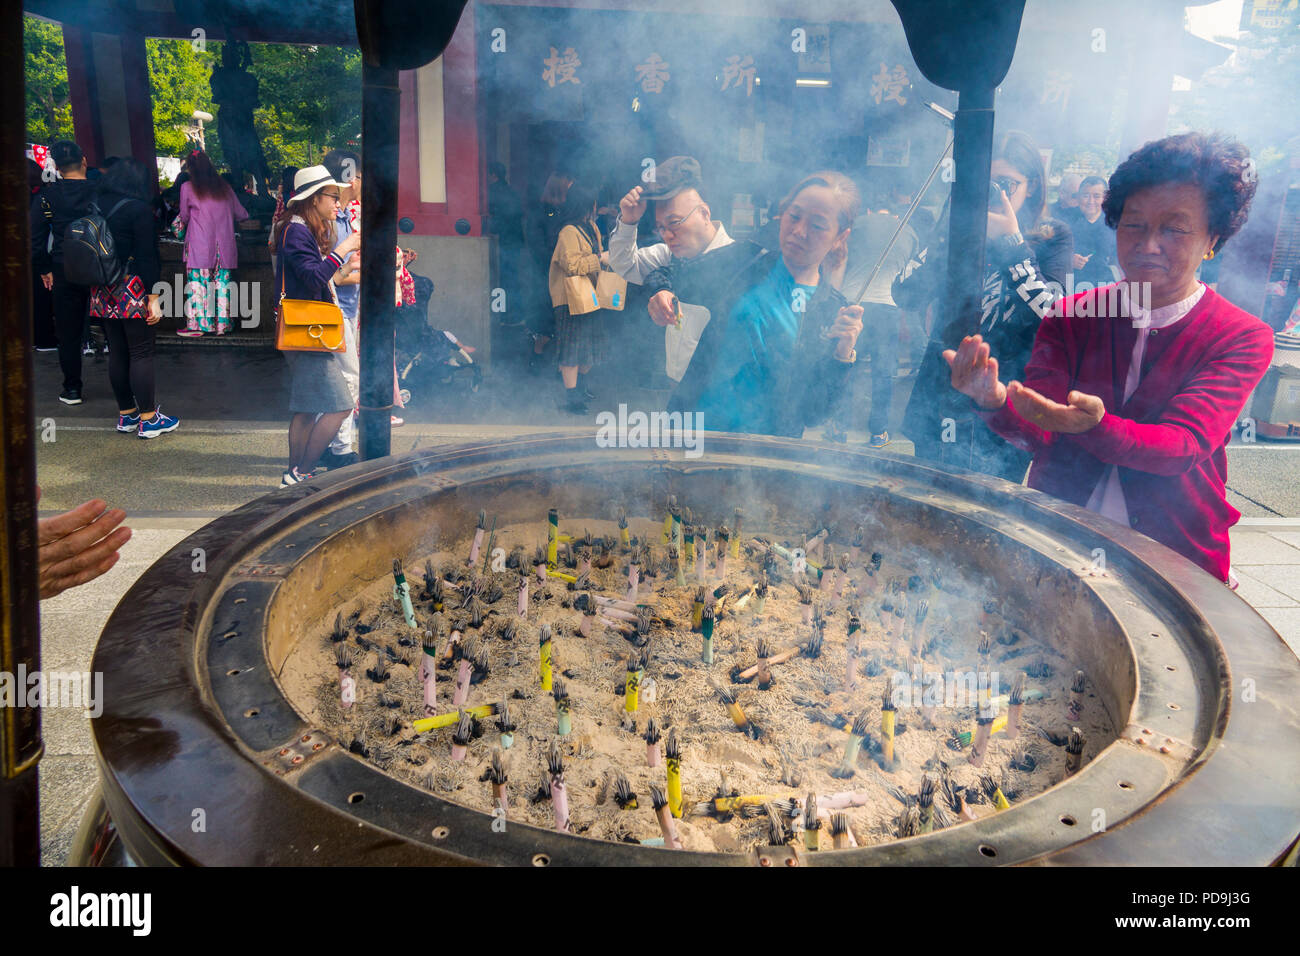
(1202, 769)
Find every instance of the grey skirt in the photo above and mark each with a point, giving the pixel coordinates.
(316, 384)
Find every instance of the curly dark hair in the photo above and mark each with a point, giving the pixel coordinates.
(1215, 162)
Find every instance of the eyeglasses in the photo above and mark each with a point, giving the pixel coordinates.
(335, 196)
(1008, 184)
(671, 226)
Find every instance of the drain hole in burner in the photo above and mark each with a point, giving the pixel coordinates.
(440, 833)
(356, 797)
(1170, 667)
(252, 712)
(233, 673)
(988, 851)
(1173, 706)
(1068, 820)
(541, 859)
(1125, 785)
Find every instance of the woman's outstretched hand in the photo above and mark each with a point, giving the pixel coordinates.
(975, 373)
(1082, 413)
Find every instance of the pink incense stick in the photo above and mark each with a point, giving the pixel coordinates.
(584, 627)
(429, 676)
(668, 826)
(806, 613)
(618, 614)
(560, 799)
(633, 579)
(584, 564)
(652, 754)
(474, 548)
(843, 800)
(523, 597)
(347, 689)
(541, 573)
(462, 682)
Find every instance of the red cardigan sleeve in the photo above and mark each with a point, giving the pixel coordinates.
(1194, 422)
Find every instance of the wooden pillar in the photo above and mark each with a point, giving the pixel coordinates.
(82, 93)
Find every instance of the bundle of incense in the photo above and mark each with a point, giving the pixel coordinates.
(689, 548)
(1075, 709)
(812, 824)
(764, 675)
(632, 684)
(402, 593)
(676, 538)
(805, 602)
(760, 594)
(544, 658)
(743, 599)
(738, 717)
(633, 575)
(852, 746)
(706, 633)
(559, 793)
(918, 624)
(642, 637)
(900, 620)
(673, 760)
(497, 774)
(461, 736)
(733, 547)
(584, 561)
(539, 566)
(724, 544)
(873, 570)
(749, 673)
(701, 554)
(675, 558)
(522, 608)
(466, 653)
(667, 825)
(931, 695)
(857, 543)
(345, 658)
(1015, 704)
(479, 531)
(432, 586)
(994, 793)
(477, 611)
(562, 708)
(668, 518)
(1074, 751)
(697, 608)
(652, 737)
(429, 671)
(840, 831)
(506, 724)
(624, 538)
(624, 795)
(552, 538)
(828, 579)
(842, 577)
(887, 721)
(812, 649)
(491, 546)
(777, 834)
(423, 725)
(851, 656)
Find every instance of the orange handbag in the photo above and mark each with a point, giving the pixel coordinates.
(307, 325)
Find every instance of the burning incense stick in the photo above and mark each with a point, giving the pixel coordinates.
(633, 575)
(402, 593)
(925, 804)
(429, 670)
(624, 539)
(667, 825)
(760, 594)
(697, 608)
(689, 532)
(701, 554)
(840, 831)
(764, 675)
(562, 708)
(851, 655)
(588, 619)
(462, 735)
(932, 694)
(723, 547)
(479, 531)
(812, 824)
(852, 746)
(675, 538)
(706, 631)
(344, 658)
(805, 602)
(828, 579)
(652, 737)
(559, 793)
(675, 557)
(539, 566)
(552, 538)
(887, 721)
(423, 725)
(624, 795)
(673, 759)
(544, 660)
(523, 595)
(1075, 709)
(1074, 751)
(668, 519)
(466, 653)
(506, 724)
(738, 717)
(734, 546)
(994, 793)
(632, 684)
(584, 561)
(1016, 703)
(497, 774)
(918, 625)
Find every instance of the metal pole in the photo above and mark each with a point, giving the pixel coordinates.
(972, 150)
(20, 726)
(380, 117)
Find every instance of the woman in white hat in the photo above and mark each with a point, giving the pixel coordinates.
(308, 263)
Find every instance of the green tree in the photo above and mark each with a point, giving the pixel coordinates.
(178, 78)
(49, 111)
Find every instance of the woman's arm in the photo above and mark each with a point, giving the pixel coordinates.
(574, 254)
(1196, 420)
(302, 256)
(1047, 373)
(186, 203)
(237, 208)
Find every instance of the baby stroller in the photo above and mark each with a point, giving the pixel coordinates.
(430, 358)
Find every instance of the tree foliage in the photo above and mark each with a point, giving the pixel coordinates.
(49, 112)
(178, 76)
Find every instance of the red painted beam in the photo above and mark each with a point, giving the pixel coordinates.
(139, 102)
(82, 95)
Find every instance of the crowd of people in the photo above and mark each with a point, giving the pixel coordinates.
(761, 334)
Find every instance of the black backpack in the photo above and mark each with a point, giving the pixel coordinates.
(89, 256)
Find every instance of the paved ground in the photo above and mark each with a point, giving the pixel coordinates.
(231, 449)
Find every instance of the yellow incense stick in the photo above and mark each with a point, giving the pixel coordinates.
(738, 715)
(887, 733)
(425, 724)
(562, 576)
(631, 691)
(544, 668)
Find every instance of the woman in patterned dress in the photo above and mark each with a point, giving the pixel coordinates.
(208, 210)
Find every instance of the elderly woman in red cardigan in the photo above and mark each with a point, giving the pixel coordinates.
(1133, 389)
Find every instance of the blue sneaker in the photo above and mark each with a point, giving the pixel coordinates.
(160, 424)
(128, 423)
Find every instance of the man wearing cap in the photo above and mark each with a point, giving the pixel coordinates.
(679, 303)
